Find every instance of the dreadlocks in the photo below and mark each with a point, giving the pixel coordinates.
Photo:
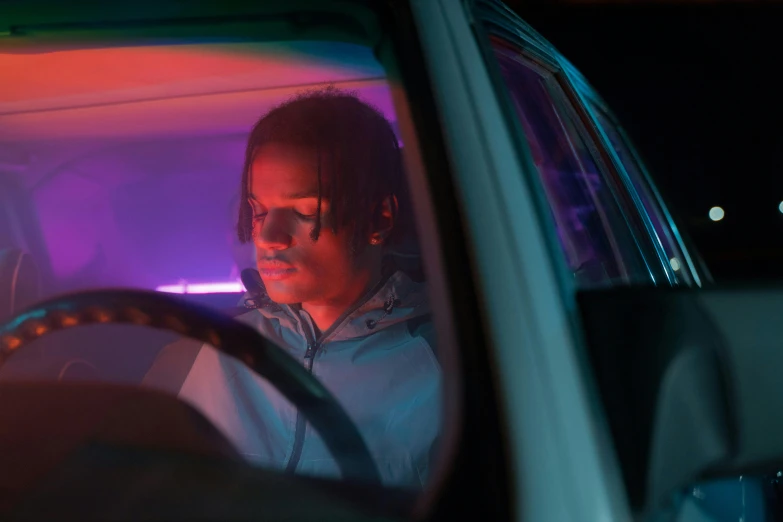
(353, 143)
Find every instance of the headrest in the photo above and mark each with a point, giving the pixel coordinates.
(20, 283)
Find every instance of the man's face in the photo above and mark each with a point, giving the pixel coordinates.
(295, 269)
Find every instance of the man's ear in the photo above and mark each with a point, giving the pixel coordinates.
(384, 218)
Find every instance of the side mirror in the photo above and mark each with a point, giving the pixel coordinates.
(691, 383)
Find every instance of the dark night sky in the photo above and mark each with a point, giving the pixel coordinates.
(697, 89)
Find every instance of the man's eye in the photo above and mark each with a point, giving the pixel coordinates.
(257, 217)
(302, 215)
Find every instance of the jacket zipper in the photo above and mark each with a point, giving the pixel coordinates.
(312, 349)
(299, 432)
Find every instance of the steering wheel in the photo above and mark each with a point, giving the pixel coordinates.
(165, 312)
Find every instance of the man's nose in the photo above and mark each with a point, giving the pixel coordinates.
(273, 233)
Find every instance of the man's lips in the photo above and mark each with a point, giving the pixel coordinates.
(275, 270)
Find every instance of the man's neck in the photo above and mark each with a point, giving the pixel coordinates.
(325, 313)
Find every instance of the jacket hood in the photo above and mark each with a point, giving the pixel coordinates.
(396, 298)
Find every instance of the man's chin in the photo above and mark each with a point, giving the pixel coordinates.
(281, 293)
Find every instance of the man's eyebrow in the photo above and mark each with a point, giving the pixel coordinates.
(305, 194)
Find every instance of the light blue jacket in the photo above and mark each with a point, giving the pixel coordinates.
(377, 360)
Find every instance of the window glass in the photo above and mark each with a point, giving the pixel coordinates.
(262, 179)
(662, 229)
(597, 242)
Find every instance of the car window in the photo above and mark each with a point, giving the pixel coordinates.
(664, 234)
(597, 242)
(178, 167)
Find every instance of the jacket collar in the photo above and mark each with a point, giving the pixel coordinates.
(397, 298)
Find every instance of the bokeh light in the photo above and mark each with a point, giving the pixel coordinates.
(717, 213)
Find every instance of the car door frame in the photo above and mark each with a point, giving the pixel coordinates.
(561, 458)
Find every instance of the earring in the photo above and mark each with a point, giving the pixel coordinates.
(375, 240)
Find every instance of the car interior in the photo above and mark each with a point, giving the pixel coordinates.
(130, 168)
(20, 284)
(120, 188)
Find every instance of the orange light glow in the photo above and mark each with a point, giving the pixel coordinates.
(11, 342)
(104, 75)
(67, 321)
(167, 89)
(101, 316)
(39, 329)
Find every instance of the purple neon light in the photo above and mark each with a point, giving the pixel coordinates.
(225, 287)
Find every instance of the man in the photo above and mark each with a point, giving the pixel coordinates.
(326, 203)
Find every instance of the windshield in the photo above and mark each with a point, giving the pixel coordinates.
(263, 180)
